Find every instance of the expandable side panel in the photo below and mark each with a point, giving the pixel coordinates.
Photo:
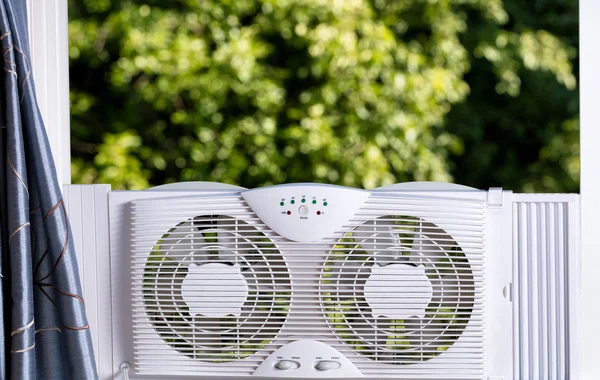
(499, 307)
(546, 268)
(87, 208)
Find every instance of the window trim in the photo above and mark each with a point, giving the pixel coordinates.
(589, 84)
(48, 43)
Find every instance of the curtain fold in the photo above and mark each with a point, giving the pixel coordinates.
(42, 324)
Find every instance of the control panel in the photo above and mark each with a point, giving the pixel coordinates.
(307, 359)
(305, 212)
(303, 206)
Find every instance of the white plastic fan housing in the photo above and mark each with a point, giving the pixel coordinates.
(422, 281)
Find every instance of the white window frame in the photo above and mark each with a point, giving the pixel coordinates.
(589, 84)
(49, 47)
(48, 25)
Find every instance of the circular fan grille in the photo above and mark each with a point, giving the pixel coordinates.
(404, 335)
(229, 242)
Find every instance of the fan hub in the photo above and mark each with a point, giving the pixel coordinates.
(398, 291)
(214, 290)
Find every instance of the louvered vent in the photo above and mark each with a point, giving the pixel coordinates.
(541, 283)
(399, 290)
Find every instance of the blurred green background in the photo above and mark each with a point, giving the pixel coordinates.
(354, 92)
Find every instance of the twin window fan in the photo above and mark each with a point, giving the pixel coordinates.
(409, 281)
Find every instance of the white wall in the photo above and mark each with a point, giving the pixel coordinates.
(48, 36)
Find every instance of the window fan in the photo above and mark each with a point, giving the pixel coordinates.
(409, 281)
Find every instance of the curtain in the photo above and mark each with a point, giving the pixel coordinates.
(44, 329)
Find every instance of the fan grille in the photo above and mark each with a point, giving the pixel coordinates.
(216, 239)
(411, 242)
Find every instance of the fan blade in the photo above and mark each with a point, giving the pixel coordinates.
(393, 336)
(212, 239)
(455, 294)
(226, 243)
(426, 251)
(445, 317)
(207, 335)
(380, 240)
(425, 335)
(348, 276)
(190, 246)
(259, 273)
(218, 237)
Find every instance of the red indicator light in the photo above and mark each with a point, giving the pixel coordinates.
(289, 213)
(318, 212)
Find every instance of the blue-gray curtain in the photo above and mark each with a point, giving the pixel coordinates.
(43, 326)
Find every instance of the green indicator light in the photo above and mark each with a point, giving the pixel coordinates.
(281, 203)
(324, 203)
(293, 201)
(303, 200)
(314, 201)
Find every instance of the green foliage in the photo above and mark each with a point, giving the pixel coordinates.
(356, 92)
